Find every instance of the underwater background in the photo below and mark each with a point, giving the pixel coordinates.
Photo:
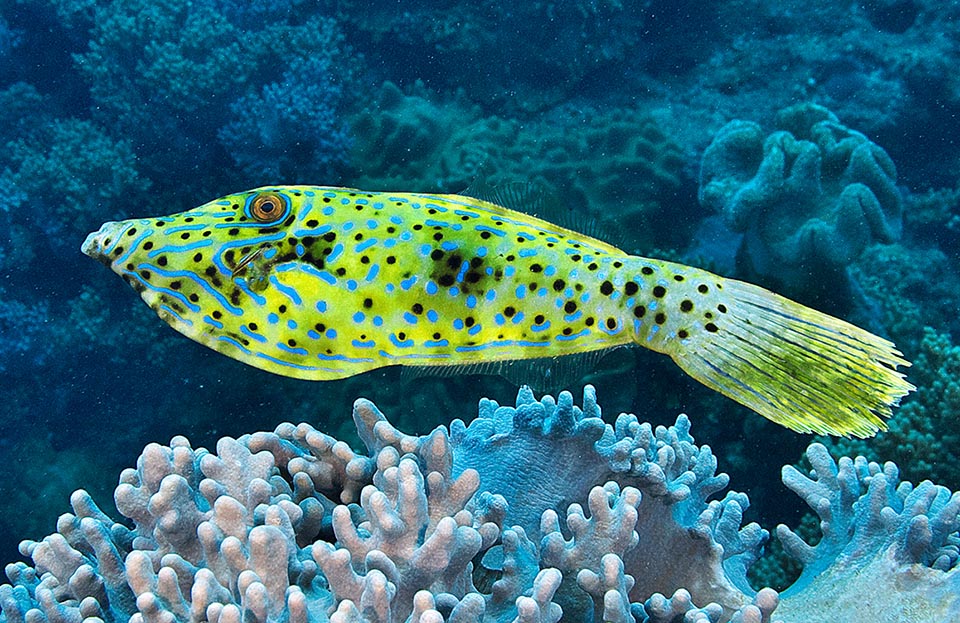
(652, 123)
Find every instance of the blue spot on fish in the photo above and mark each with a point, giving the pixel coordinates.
(400, 343)
(246, 331)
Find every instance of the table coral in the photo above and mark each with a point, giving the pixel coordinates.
(464, 524)
(809, 196)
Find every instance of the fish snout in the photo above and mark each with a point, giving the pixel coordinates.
(99, 243)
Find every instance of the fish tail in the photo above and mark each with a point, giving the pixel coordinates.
(801, 368)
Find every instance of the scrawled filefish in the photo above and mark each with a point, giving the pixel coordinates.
(323, 283)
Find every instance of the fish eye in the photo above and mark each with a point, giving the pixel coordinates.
(267, 207)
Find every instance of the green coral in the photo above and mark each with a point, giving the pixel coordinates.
(924, 434)
(615, 164)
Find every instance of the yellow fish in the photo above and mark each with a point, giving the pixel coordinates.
(323, 283)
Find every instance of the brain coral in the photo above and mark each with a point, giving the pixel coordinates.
(808, 197)
(528, 514)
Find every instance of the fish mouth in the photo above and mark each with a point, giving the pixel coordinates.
(98, 244)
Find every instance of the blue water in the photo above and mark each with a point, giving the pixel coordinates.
(124, 109)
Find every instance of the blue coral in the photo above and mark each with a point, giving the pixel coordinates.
(528, 514)
(291, 127)
(808, 197)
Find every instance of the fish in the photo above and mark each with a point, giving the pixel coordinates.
(323, 283)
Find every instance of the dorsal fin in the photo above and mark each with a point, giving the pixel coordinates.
(525, 197)
(533, 199)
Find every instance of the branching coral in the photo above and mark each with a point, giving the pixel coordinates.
(291, 128)
(168, 75)
(463, 525)
(69, 173)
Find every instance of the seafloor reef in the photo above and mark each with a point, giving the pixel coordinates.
(530, 513)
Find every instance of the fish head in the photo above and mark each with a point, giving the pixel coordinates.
(208, 271)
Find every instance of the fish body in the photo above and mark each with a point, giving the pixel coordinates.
(323, 283)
